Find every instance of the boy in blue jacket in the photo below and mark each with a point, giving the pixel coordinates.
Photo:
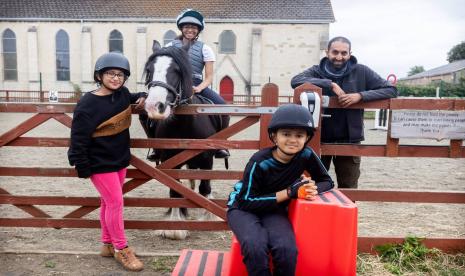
(257, 212)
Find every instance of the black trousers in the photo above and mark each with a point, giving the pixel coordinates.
(261, 236)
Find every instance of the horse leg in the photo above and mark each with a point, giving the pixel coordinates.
(206, 190)
(175, 214)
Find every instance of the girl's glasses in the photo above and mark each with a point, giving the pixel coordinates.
(112, 74)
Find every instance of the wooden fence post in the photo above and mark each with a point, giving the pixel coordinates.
(270, 92)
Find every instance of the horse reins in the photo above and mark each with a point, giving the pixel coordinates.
(170, 88)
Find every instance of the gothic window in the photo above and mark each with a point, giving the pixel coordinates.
(62, 55)
(116, 41)
(10, 64)
(168, 37)
(227, 42)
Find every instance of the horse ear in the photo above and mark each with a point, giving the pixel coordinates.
(156, 46)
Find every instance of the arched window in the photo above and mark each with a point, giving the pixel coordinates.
(10, 64)
(168, 37)
(62, 55)
(227, 89)
(116, 41)
(227, 42)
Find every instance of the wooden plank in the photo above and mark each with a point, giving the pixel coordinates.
(22, 128)
(448, 245)
(269, 94)
(128, 224)
(193, 143)
(380, 150)
(456, 197)
(95, 201)
(64, 119)
(131, 173)
(28, 208)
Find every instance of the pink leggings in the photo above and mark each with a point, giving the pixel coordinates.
(110, 187)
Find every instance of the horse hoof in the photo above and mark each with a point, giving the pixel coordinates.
(175, 234)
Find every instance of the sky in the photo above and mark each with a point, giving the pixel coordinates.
(392, 36)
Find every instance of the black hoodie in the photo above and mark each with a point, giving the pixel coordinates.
(346, 125)
(100, 132)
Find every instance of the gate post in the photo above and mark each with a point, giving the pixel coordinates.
(270, 92)
(315, 143)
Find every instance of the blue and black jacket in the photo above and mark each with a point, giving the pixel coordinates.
(264, 176)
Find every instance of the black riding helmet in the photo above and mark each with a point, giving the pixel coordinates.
(291, 116)
(111, 60)
(190, 16)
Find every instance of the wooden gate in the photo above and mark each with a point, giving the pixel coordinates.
(165, 173)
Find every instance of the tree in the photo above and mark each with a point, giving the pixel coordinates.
(457, 52)
(415, 70)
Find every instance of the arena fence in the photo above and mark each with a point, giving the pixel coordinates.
(167, 175)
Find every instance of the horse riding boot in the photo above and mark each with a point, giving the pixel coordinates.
(154, 156)
(222, 153)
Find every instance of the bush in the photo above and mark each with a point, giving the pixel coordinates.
(446, 90)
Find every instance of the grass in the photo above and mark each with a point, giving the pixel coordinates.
(164, 263)
(413, 256)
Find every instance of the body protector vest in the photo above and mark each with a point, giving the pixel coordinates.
(195, 56)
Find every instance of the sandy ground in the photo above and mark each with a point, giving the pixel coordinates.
(375, 219)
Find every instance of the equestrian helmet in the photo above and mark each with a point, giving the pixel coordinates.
(190, 16)
(292, 116)
(111, 60)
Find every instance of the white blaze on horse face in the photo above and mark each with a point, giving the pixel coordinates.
(158, 94)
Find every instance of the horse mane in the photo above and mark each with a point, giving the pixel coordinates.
(179, 56)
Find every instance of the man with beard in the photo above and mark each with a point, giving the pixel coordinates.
(339, 75)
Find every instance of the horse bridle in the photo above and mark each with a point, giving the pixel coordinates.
(177, 100)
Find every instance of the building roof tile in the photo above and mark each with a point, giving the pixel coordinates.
(302, 11)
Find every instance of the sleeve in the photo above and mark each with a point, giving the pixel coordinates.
(135, 96)
(377, 87)
(319, 173)
(310, 76)
(81, 137)
(208, 54)
(251, 199)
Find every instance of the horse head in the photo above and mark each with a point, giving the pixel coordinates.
(168, 77)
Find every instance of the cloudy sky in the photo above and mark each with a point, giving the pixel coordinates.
(392, 36)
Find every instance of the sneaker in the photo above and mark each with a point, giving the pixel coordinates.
(107, 250)
(127, 258)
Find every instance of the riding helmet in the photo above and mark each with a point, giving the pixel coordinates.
(111, 60)
(292, 116)
(190, 16)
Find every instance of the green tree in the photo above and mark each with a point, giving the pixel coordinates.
(415, 70)
(457, 52)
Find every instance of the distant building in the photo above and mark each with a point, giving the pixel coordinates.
(55, 43)
(451, 73)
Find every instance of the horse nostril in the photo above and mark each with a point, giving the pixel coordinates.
(161, 107)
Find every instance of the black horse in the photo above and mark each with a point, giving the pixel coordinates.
(168, 78)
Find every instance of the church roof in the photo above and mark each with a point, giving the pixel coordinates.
(266, 11)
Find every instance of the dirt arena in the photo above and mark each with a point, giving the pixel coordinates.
(380, 219)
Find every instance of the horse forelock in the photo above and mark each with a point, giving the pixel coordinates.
(181, 58)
